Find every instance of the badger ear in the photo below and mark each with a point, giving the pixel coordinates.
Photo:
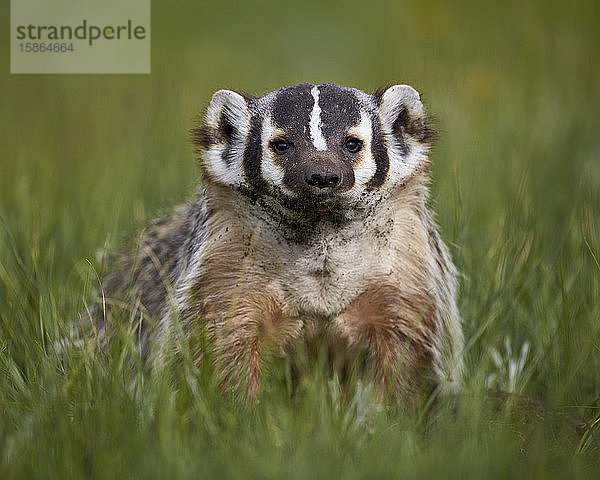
(222, 137)
(228, 115)
(402, 114)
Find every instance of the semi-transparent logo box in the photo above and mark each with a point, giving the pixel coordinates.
(80, 36)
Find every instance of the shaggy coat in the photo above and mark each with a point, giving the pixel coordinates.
(311, 224)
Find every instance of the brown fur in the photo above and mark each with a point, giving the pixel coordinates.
(248, 316)
(238, 300)
(373, 280)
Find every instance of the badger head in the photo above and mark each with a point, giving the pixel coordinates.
(309, 148)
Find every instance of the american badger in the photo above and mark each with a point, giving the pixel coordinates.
(311, 222)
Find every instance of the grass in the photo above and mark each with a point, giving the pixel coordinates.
(85, 161)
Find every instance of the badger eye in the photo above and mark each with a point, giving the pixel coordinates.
(353, 144)
(281, 145)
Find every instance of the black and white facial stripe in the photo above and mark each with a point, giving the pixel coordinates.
(315, 142)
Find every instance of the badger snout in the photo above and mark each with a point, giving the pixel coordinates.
(317, 179)
(323, 177)
(323, 180)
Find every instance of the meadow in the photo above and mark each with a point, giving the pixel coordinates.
(88, 160)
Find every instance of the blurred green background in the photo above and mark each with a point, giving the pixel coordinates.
(86, 160)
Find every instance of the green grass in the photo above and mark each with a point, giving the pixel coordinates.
(86, 160)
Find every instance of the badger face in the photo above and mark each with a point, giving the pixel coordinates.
(315, 148)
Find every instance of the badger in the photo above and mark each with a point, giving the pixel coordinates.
(311, 224)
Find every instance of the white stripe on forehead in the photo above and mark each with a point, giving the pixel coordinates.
(316, 134)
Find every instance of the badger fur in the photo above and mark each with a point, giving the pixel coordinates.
(311, 222)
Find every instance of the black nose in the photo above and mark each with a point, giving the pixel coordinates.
(323, 180)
